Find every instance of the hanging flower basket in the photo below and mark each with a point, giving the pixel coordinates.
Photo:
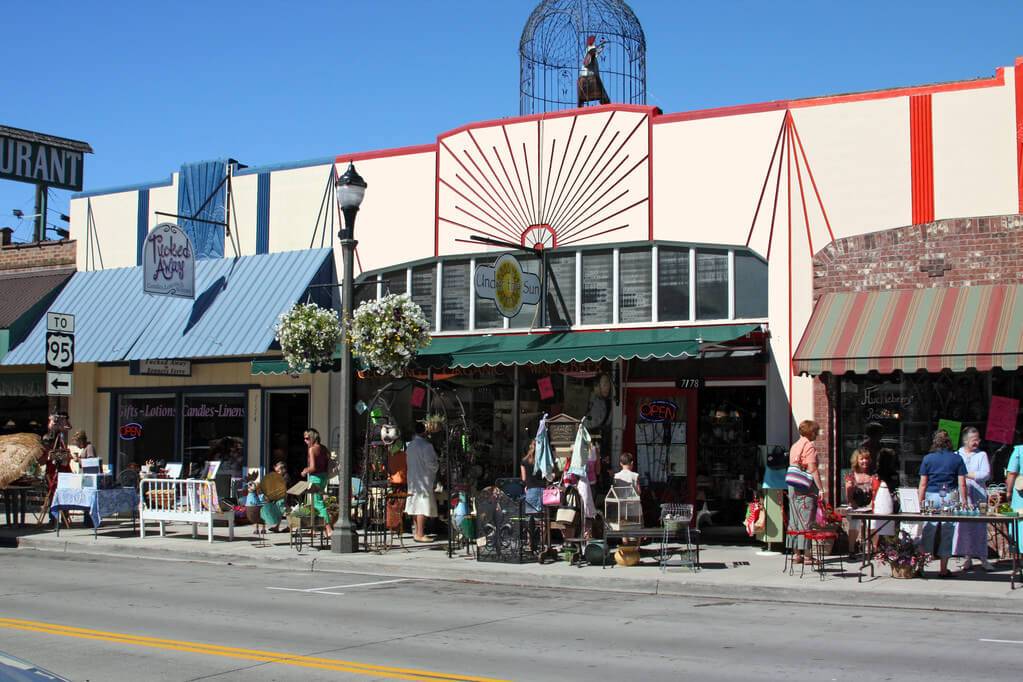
(308, 335)
(386, 333)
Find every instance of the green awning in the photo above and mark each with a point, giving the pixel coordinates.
(269, 367)
(575, 346)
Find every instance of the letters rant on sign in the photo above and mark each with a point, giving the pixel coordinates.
(168, 262)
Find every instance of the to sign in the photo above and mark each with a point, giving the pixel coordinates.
(507, 285)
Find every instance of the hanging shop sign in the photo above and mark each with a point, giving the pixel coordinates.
(507, 285)
(41, 159)
(161, 368)
(168, 262)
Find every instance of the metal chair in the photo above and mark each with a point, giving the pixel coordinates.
(253, 514)
(676, 524)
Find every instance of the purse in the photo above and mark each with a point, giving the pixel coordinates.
(800, 481)
(552, 496)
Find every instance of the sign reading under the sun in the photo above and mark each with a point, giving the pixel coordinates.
(507, 285)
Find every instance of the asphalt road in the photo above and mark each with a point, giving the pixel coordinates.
(125, 619)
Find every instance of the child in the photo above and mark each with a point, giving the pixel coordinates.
(627, 475)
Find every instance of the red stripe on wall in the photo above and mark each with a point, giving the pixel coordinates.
(921, 154)
(1019, 128)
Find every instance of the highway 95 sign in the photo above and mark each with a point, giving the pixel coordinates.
(60, 342)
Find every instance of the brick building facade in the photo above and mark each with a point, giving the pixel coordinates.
(958, 252)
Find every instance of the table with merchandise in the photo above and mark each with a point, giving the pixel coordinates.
(1005, 526)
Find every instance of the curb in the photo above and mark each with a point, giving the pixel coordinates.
(613, 582)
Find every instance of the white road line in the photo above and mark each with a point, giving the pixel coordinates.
(1001, 641)
(324, 590)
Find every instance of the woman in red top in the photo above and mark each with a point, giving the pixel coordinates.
(803, 505)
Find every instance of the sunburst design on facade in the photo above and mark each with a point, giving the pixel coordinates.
(545, 184)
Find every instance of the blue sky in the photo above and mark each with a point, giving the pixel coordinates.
(153, 85)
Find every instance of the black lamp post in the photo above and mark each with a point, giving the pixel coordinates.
(351, 189)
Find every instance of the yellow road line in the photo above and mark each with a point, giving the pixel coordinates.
(238, 653)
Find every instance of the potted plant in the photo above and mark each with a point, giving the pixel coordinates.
(434, 422)
(386, 333)
(902, 555)
(308, 335)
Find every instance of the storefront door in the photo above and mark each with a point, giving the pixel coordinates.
(660, 429)
(286, 417)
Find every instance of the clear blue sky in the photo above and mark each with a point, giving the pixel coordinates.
(154, 84)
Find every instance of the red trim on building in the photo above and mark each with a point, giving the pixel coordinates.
(385, 153)
(436, 202)
(777, 105)
(1019, 128)
(651, 111)
(921, 155)
(650, 176)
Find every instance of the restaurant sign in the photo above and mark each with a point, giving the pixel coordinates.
(168, 262)
(507, 285)
(41, 159)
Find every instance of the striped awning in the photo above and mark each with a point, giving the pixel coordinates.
(914, 329)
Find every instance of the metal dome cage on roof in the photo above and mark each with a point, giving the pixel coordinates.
(554, 44)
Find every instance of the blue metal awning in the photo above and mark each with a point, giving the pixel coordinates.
(237, 303)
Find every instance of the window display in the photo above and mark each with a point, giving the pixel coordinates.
(145, 429)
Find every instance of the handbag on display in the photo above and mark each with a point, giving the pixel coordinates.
(552, 496)
(801, 481)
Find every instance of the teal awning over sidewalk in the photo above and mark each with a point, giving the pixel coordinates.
(575, 346)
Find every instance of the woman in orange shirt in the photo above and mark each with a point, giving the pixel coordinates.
(803, 505)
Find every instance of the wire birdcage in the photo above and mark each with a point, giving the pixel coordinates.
(554, 42)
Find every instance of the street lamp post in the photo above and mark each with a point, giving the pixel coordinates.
(351, 189)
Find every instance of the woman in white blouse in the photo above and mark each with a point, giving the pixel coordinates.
(971, 538)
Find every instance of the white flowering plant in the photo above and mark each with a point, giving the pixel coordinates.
(308, 335)
(386, 333)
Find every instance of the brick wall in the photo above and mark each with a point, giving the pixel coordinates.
(946, 253)
(37, 256)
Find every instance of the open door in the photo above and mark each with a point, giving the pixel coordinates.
(660, 429)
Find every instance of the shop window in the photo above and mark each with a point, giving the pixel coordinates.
(750, 286)
(597, 287)
(672, 284)
(424, 290)
(213, 428)
(454, 294)
(561, 290)
(711, 285)
(145, 429)
(527, 316)
(394, 282)
(487, 316)
(634, 288)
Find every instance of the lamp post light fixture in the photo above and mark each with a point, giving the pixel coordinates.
(351, 189)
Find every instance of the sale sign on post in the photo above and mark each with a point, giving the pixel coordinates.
(1001, 419)
(418, 396)
(545, 387)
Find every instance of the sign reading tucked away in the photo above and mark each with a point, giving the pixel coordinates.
(507, 285)
(164, 368)
(168, 262)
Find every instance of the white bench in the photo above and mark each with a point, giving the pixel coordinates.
(190, 501)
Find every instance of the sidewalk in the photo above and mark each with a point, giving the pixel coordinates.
(728, 572)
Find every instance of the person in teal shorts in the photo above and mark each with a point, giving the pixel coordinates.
(316, 474)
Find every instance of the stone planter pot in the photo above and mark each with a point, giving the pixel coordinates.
(903, 572)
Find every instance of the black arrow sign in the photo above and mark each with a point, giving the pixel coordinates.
(56, 383)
